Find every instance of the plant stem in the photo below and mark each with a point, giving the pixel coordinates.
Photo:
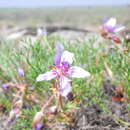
(60, 105)
(48, 103)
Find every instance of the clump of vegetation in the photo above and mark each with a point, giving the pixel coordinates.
(107, 59)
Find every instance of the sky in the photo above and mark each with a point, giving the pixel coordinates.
(48, 3)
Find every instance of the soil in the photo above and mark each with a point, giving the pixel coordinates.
(93, 117)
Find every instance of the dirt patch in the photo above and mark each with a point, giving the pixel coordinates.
(93, 117)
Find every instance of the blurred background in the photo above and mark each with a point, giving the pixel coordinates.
(83, 14)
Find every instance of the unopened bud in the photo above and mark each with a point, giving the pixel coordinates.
(70, 96)
(116, 39)
(38, 119)
(18, 104)
(53, 110)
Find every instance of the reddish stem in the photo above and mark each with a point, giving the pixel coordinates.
(48, 102)
(60, 102)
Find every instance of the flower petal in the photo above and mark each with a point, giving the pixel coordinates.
(119, 28)
(65, 86)
(57, 58)
(77, 72)
(67, 57)
(109, 29)
(111, 22)
(47, 76)
(59, 49)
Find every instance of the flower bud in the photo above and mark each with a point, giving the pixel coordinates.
(70, 96)
(18, 104)
(37, 120)
(116, 39)
(53, 110)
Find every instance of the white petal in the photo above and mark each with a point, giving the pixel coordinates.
(46, 76)
(77, 72)
(118, 29)
(67, 57)
(65, 86)
(111, 22)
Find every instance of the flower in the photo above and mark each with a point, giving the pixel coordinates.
(21, 72)
(63, 71)
(110, 26)
(6, 85)
(41, 32)
(110, 29)
(39, 127)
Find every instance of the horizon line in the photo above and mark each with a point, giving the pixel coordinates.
(62, 6)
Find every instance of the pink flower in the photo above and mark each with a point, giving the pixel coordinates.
(110, 26)
(63, 71)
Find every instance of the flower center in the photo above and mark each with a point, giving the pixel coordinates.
(63, 68)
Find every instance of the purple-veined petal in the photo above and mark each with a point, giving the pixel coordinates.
(65, 86)
(109, 29)
(59, 49)
(57, 58)
(67, 57)
(47, 76)
(119, 28)
(77, 72)
(111, 22)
